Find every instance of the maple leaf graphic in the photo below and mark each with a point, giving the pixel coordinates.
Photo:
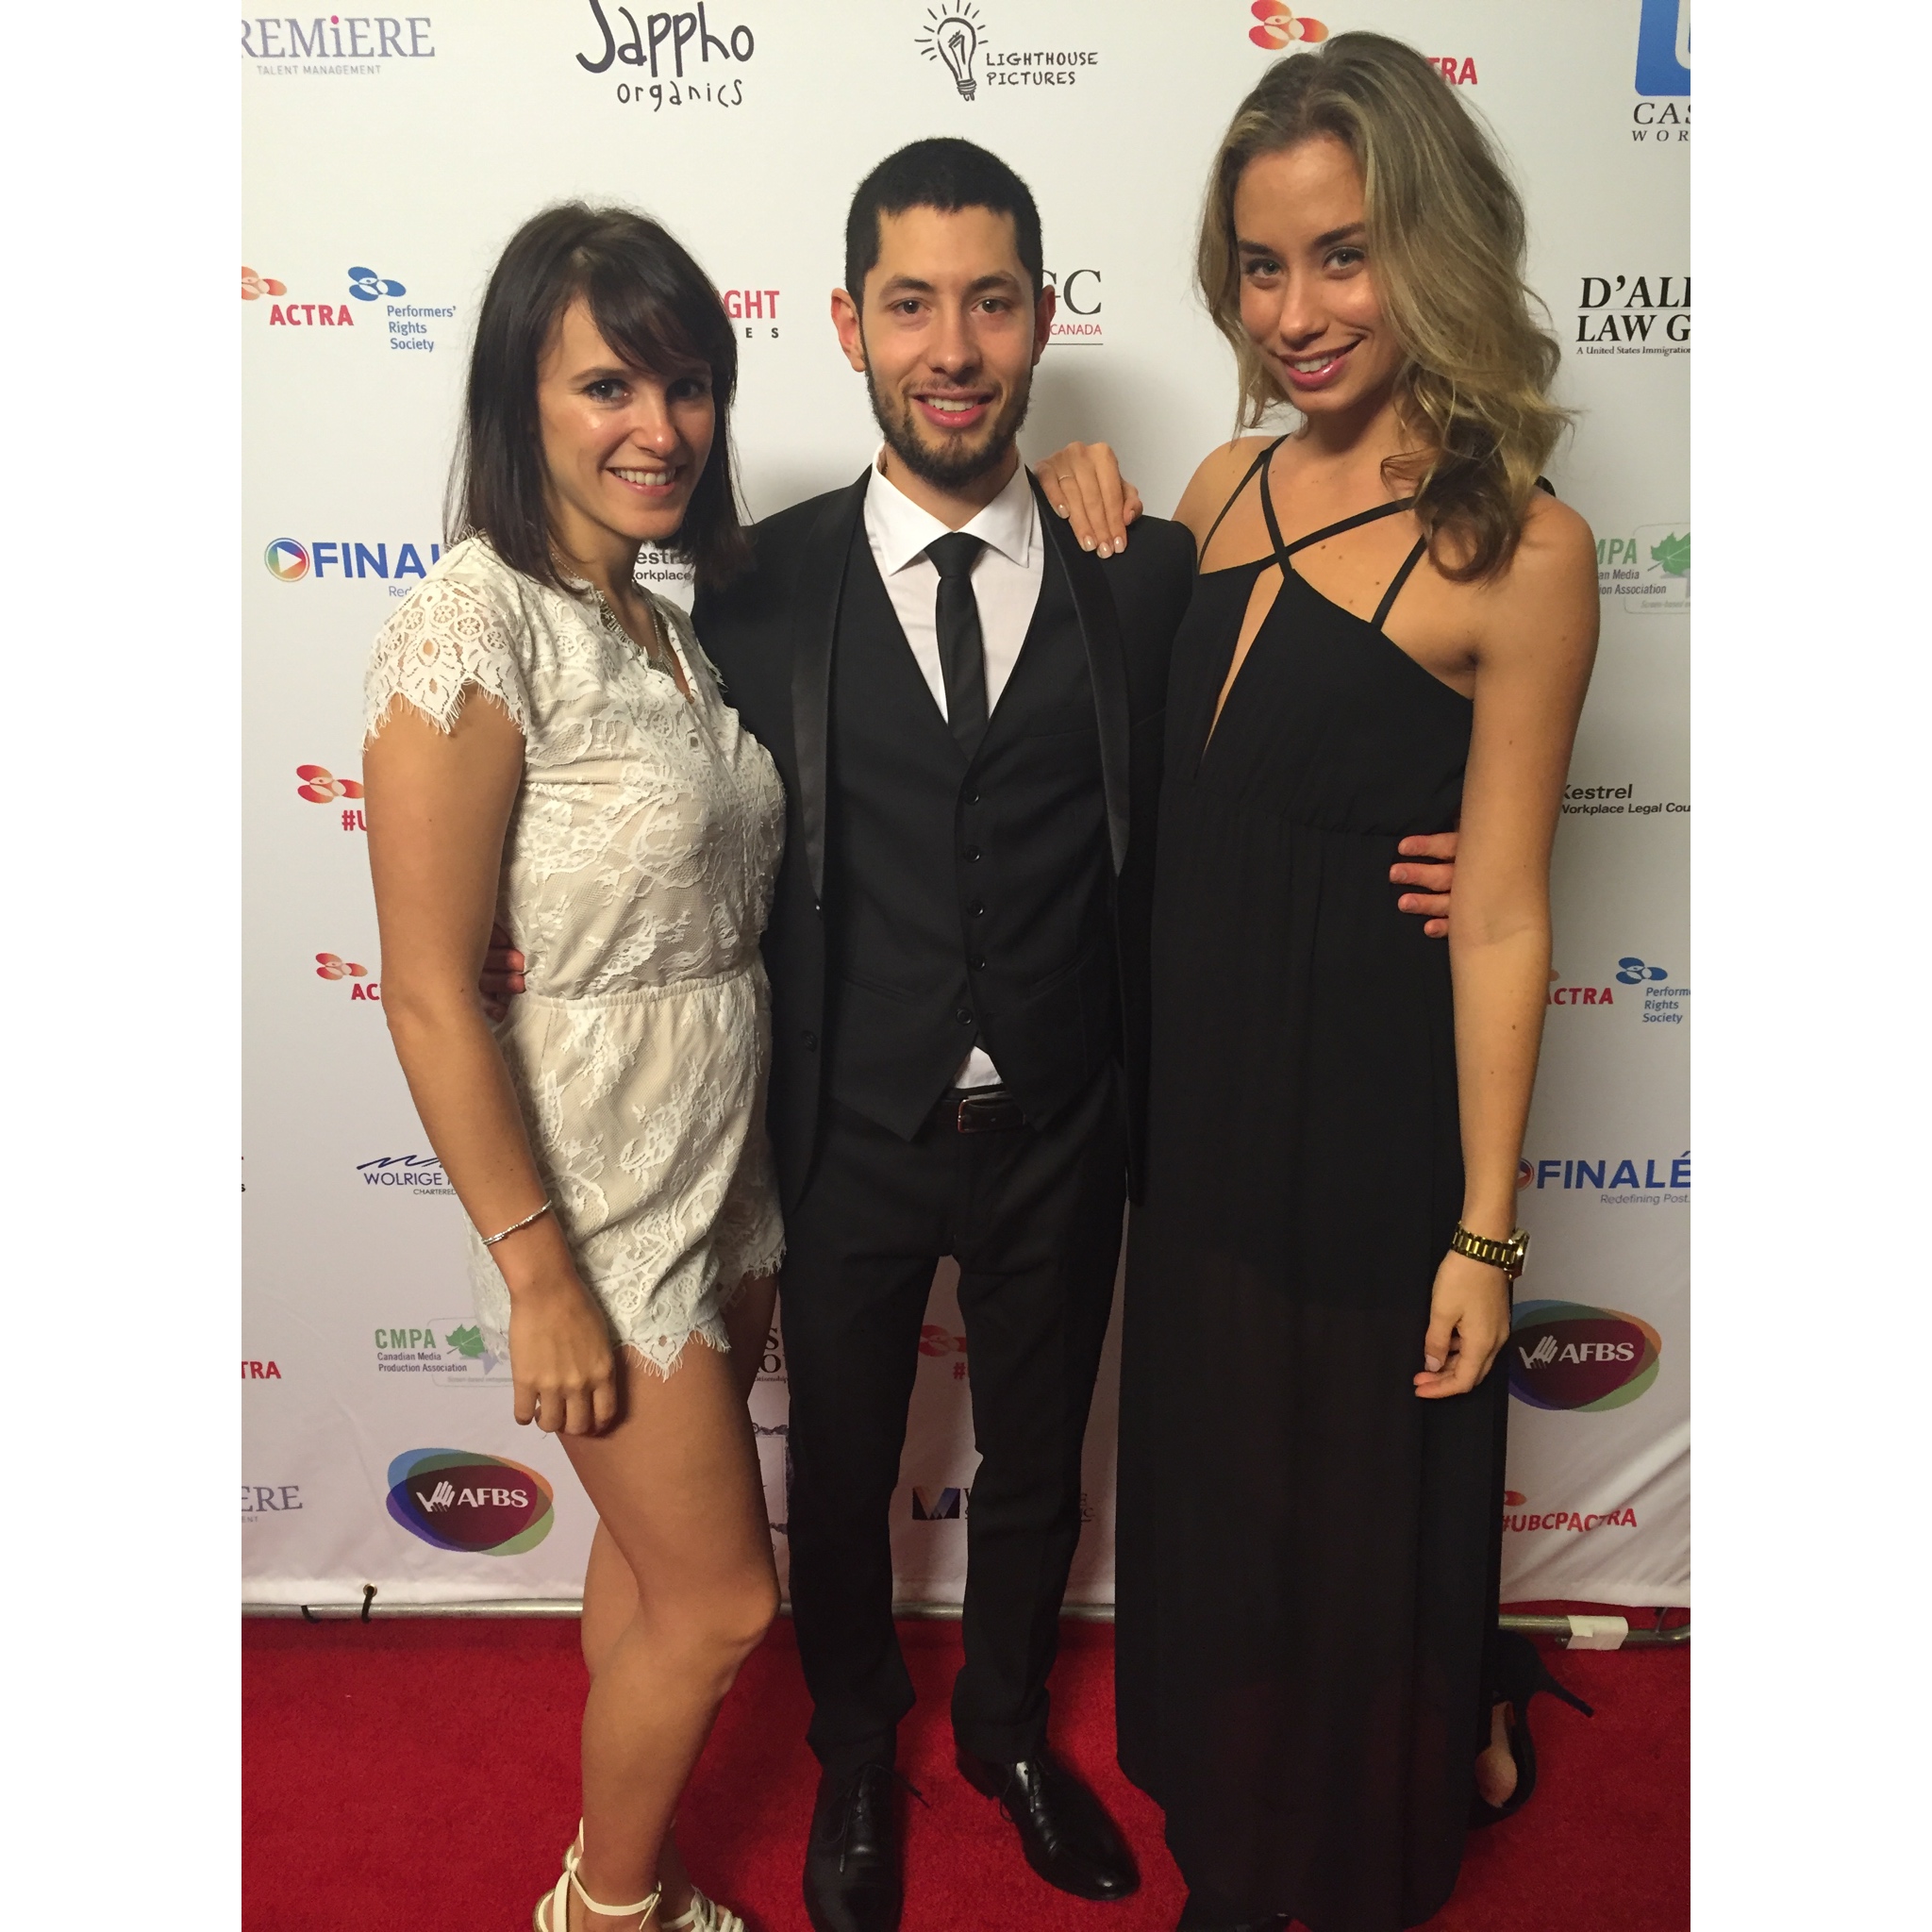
(467, 1342)
(1672, 556)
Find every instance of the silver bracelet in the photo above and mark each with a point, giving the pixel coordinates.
(490, 1240)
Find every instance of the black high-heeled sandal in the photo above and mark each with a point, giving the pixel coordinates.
(1521, 1673)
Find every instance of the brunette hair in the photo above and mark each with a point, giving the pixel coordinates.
(653, 304)
(1446, 236)
(946, 173)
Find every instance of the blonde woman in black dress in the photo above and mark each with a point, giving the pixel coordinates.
(1393, 631)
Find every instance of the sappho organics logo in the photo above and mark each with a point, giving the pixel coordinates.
(460, 1500)
(1567, 1355)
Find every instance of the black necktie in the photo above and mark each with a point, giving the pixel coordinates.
(962, 654)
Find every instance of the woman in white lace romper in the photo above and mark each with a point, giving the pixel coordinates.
(549, 749)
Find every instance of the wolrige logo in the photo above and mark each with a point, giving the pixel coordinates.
(1568, 1355)
(460, 1500)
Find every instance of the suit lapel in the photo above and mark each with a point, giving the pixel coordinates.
(814, 624)
(1100, 632)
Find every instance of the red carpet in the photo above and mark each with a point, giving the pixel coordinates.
(422, 1773)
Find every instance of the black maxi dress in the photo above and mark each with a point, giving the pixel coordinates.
(1307, 1551)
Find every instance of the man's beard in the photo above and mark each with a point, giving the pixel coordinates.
(956, 461)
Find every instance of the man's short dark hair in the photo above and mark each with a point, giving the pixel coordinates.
(947, 175)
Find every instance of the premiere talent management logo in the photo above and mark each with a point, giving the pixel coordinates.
(1568, 1355)
(457, 1499)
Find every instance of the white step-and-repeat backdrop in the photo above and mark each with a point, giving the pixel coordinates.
(388, 158)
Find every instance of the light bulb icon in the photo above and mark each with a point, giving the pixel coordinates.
(954, 38)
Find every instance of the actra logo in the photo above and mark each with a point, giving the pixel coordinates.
(935, 1340)
(1567, 1355)
(1282, 27)
(1579, 995)
(460, 1500)
(320, 786)
(254, 287)
(332, 966)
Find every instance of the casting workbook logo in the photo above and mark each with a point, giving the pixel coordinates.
(666, 46)
(460, 1500)
(1568, 1355)
(1634, 315)
(1663, 48)
(450, 1351)
(955, 38)
(1650, 569)
(336, 44)
(290, 562)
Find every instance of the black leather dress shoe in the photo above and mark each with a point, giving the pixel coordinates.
(852, 1880)
(1196, 1918)
(1068, 1838)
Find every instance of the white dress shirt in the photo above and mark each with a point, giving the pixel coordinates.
(1007, 576)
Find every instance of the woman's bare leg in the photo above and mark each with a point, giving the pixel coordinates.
(680, 1509)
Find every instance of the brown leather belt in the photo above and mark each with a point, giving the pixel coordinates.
(979, 1110)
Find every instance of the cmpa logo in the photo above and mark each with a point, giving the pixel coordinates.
(287, 560)
(254, 287)
(1281, 26)
(460, 1500)
(1663, 48)
(365, 285)
(1567, 1355)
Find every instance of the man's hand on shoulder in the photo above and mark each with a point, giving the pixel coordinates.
(1436, 879)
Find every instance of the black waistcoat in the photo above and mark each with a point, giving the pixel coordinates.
(968, 902)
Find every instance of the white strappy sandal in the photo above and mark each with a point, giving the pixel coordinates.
(557, 1918)
(703, 1915)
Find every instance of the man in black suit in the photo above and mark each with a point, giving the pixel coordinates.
(966, 709)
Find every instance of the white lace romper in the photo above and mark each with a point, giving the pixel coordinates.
(637, 877)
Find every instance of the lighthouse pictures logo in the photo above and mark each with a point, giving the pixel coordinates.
(460, 1500)
(955, 37)
(1568, 1355)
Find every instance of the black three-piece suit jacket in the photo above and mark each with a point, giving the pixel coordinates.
(1019, 916)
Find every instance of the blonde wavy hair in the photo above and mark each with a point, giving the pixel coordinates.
(1445, 230)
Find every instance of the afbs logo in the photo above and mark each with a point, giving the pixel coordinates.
(1568, 1355)
(457, 1499)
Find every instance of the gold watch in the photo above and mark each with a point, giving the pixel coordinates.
(1508, 1256)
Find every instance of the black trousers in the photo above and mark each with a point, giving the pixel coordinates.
(1033, 1217)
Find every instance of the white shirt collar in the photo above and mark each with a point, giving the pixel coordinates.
(901, 530)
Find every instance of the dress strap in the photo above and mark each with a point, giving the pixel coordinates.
(1396, 582)
(1247, 478)
(1284, 550)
